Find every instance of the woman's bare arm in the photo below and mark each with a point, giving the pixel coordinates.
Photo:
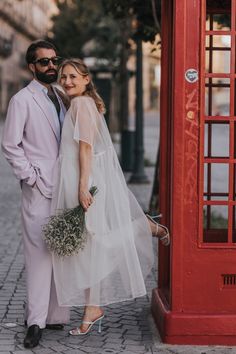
(85, 161)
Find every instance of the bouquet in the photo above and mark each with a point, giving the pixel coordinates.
(65, 234)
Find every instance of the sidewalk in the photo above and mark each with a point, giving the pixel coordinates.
(128, 327)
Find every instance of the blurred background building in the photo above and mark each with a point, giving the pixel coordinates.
(151, 77)
(21, 22)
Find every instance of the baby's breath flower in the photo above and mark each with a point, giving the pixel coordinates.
(66, 233)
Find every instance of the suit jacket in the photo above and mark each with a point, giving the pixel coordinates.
(30, 140)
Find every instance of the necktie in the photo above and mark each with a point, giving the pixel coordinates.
(54, 100)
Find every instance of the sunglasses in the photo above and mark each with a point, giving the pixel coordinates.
(46, 61)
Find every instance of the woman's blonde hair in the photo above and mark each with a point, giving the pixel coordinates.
(90, 90)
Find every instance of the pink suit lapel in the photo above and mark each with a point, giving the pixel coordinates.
(39, 98)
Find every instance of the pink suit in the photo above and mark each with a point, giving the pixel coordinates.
(30, 144)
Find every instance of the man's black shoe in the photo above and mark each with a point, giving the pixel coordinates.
(55, 326)
(33, 336)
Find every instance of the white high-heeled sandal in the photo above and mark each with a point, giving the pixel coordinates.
(77, 332)
(165, 239)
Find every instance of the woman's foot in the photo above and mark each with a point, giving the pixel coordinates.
(92, 314)
(159, 230)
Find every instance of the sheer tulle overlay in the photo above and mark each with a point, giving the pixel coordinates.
(118, 254)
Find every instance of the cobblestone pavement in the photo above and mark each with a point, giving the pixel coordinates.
(128, 327)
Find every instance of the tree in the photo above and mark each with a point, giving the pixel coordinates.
(143, 23)
(81, 28)
(144, 16)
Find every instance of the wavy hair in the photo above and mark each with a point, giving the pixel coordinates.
(90, 90)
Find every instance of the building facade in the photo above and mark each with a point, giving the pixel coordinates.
(21, 22)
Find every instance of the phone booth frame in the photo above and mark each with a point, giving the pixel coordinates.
(195, 301)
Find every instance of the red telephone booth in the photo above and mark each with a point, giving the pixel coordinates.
(195, 301)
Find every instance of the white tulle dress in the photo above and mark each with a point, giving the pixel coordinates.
(118, 254)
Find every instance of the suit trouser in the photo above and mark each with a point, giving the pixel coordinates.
(42, 304)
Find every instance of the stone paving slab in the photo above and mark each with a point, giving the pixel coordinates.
(128, 327)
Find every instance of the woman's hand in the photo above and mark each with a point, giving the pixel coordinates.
(85, 198)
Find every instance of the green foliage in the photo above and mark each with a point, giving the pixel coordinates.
(97, 28)
(144, 15)
(217, 221)
(223, 20)
(83, 29)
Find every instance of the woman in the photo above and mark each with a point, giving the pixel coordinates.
(118, 254)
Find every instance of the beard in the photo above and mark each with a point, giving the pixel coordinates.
(45, 77)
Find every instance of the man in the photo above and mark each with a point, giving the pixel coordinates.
(30, 144)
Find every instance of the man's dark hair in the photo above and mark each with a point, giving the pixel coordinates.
(30, 56)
